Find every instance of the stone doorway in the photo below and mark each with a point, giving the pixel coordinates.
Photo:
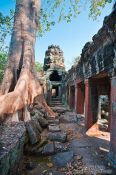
(103, 112)
(55, 91)
(96, 88)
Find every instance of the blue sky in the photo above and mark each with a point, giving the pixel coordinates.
(71, 37)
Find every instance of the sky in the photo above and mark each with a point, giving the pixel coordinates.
(71, 37)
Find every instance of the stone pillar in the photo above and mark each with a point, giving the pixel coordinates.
(113, 121)
(99, 108)
(88, 105)
(80, 99)
(109, 117)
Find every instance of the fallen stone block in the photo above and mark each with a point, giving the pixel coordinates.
(57, 136)
(48, 149)
(33, 133)
(61, 159)
(68, 119)
(36, 124)
(56, 121)
(54, 128)
(60, 147)
(43, 122)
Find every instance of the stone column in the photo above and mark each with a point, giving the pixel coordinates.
(88, 105)
(99, 108)
(113, 121)
(80, 99)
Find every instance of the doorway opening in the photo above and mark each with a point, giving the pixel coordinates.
(55, 76)
(103, 112)
(72, 97)
(55, 91)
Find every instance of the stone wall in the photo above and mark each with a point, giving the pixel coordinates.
(12, 141)
(100, 54)
(94, 75)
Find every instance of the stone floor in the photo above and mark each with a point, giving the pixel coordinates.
(70, 151)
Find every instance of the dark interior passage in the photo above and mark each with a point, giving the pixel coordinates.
(55, 76)
(55, 92)
(72, 97)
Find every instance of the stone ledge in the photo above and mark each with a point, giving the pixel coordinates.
(12, 139)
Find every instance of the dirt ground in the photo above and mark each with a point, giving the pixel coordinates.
(84, 154)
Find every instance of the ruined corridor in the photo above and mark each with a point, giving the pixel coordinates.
(81, 138)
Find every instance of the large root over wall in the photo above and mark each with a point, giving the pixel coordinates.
(26, 89)
(20, 85)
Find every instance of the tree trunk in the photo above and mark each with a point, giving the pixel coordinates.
(20, 84)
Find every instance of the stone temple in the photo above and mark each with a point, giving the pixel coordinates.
(54, 73)
(83, 134)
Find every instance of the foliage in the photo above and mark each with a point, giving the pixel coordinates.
(39, 66)
(63, 10)
(52, 12)
(6, 23)
(3, 60)
(96, 7)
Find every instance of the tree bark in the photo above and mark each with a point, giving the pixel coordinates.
(20, 83)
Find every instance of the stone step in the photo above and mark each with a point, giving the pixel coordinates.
(59, 109)
(60, 106)
(56, 103)
(57, 98)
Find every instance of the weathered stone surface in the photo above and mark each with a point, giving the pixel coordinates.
(36, 124)
(37, 148)
(12, 141)
(37, 112)
(61, 159)
(58, 173)
(54, 128)
(68, 118)
(33, 133)
(54, 58)
(58, 136)
(59, 109)
(60, 147)
(43, 122)
(48, 149)
(56, 121)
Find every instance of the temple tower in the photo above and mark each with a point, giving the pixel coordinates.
(54, 73)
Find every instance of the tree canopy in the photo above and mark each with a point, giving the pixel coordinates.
(55, 11)
(51, 13)
(62, 10)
